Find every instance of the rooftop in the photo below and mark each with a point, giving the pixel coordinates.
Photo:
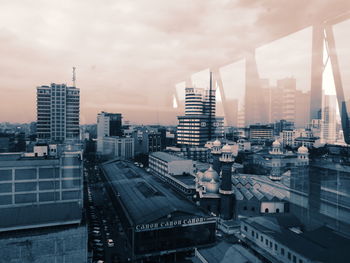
(167, 157)
(145, 197)
(321, 245)
(225, 252)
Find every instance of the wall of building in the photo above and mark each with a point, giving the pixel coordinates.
(68, 245)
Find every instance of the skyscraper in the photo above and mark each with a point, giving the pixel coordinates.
(199, 123)
(58, 108)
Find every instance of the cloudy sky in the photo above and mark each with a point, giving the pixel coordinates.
(130, 54)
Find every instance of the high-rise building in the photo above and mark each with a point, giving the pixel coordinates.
(108, 124)
(329, 119)
(58, 108)
(199, 123)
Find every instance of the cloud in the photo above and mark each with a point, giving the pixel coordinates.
(129, 52)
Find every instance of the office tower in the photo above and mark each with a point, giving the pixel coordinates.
(58, 113)
(199, 123)
(108, 124)
(329, 120)
(302, 108)
(288, 87)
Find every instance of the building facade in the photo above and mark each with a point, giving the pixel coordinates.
(199, 123)
(108, 124)
(118, 147)
(58, 111)
(36, 190)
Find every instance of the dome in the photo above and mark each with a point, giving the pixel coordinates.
(212, 187)
(276, 143)
(226, 148)
(303, 149)
(217, 143)
(210, 174)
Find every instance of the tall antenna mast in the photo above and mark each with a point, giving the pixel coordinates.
(73, 77)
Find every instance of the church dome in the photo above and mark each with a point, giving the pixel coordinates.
(303, 149)
(210, 174)
(212, 187)
(226, 148)
(217, 143)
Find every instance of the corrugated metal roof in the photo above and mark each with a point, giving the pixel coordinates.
(154, 201)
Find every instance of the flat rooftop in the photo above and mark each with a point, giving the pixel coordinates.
(145, 197)
(167, 157)
(321, 245)
(224, 252)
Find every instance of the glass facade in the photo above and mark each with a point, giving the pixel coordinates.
(320, 195)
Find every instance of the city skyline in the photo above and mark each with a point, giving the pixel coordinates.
(177, 41)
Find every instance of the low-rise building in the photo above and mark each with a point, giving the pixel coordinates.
(117, 147)
(281, 239)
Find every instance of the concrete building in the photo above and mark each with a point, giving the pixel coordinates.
(58, 109)
(166, 163)
(41, 205)
(117, 147)
(108, 124)
(260, 133)
(288, 137)
(282, 239)
(147, 140)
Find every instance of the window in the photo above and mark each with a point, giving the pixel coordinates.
(253, 209)
(257, 235)
(301, 261)
(294, 259)
(266, 242)
(253, 233)
(244, 208)
(266, 210)
(289, 256)
(261, 238)
(276, 247)
(277, 210)
(282, 251)
(245, 228)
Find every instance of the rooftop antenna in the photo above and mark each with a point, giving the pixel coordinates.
(73, 77)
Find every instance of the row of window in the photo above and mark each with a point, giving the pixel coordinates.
(273, 246)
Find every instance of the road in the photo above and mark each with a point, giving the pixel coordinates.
(101, 214)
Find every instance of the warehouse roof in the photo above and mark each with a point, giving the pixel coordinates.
(145, 197)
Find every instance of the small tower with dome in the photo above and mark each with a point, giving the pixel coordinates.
(303, 156)
(216, 153)
(226, 192)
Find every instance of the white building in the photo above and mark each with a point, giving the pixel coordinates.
(122, 147)
(169, 164)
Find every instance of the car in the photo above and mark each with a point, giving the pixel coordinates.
(96, 233)
(110, 243)
(96, 241)
(99, 249)
(98, 244)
